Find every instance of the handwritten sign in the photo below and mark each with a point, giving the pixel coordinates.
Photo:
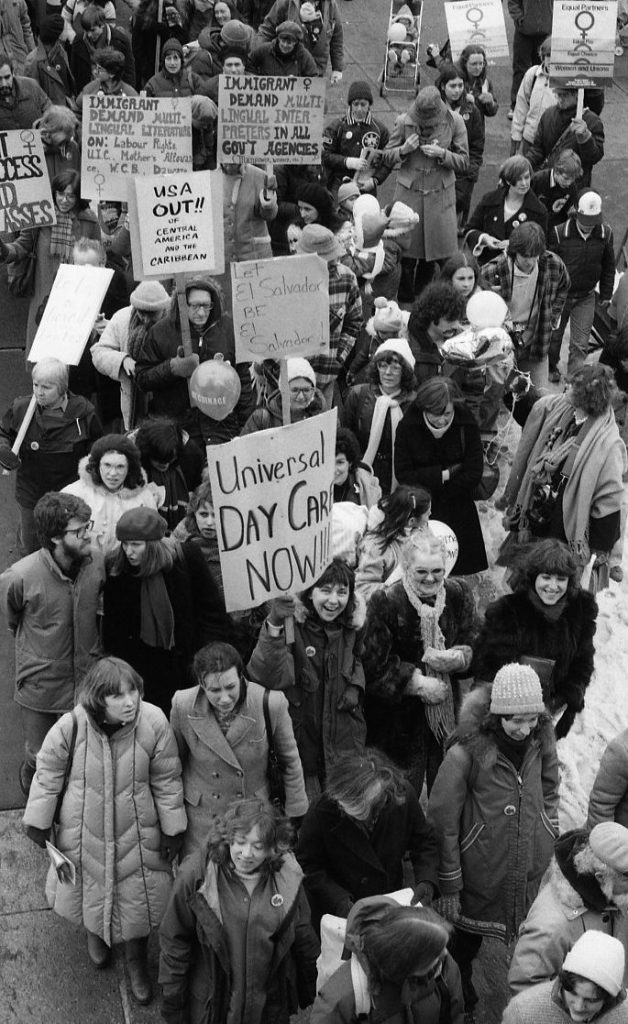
(25, 196)
(73, 305)
(270, 119)
(273, 494)
(583, 44)
(477, 21)
(176, 223)
(280, 307)
(132, 135)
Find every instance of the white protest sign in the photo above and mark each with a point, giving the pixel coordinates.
(280, 307)
(73, 305)
(25, 196)
(583, 44)
(270, 119)
(176, 223)
(132, 135)
(272, 494)
(477, 21)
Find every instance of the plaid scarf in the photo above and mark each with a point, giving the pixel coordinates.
(62, 237)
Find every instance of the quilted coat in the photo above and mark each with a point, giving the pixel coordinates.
(608, 800)
(121, 792)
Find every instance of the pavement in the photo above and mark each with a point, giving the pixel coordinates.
(46, 975)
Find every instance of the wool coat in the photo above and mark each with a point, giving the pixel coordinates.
(123, 791)
(107, 506)
(327, 46)
(16, 33)
(495, 825)
(357, 415)
(219, 768)
(555, 126)
(488, 217)
(29, 103)
(51, 70)
(608, 800)
(108, 355)
(420, 459)
(544, 1004)
(196, 970)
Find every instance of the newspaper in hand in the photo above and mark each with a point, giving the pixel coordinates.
(66, 872)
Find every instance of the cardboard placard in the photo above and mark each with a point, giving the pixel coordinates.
(477, 21)
(270, 119)
(25, 195)
(73, 305)
(280, 307)
(131, 135)
(272, 494)
(176, 224)
(583, 44)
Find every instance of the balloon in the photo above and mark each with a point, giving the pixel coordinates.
(486, 309)
(215, 388)
(449, 541)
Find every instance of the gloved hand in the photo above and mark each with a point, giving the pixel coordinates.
(40, 836)
(430, 689)
(453, 660)
(349, 699)
(424, 893)
(8, 460)
(182, 365)
(355, 163)
(565, 723)
(170, 846)
(448, 906)
(336, 78)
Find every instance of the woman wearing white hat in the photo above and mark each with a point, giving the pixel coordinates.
(305, 399)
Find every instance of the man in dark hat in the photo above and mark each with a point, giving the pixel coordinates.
(345, 139)
(48, 64)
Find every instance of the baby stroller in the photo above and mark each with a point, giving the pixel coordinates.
(401, 66)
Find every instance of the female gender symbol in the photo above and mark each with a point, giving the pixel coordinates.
(475, 16)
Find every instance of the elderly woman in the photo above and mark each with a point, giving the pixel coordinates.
(374, 411)
(566, 478)
(549, 622)
(59, 435)
(236, 940)
(500, 211)
(305, 399)
(416, 647)
(111, 481)
(428, 146)
(221, 734)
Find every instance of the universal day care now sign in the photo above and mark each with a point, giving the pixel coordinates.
(273, 494)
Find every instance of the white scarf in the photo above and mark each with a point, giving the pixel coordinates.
(382, 405)
(440, 717)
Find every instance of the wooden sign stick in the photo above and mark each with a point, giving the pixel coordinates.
(284, 386)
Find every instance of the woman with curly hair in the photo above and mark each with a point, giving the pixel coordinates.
(500, 211)
(111, 481)
(398, 515)
(236, 939)
(473, 65)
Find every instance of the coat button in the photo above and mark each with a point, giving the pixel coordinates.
(240, 774)
(605, 918)
(215, 775)
(364, 880)
(510, 809)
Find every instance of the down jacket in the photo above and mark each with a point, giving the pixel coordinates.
(608, 800)
(495, 826)
(123, 791)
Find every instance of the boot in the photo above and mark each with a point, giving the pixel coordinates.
(99, 952)
(135, 954)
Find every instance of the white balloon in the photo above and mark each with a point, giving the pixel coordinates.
(449, 541)
(486, 309)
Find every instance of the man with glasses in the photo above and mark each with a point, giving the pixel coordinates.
(51, 600)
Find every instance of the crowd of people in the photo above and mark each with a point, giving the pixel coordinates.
(230, 779)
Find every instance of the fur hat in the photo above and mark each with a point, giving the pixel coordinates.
(149, 296)
(321, 241)
(308, 12)
(516, 690)
(290, 28)
(359, 91)
(347, 190)
(609, 842)
(401, 219)
(599, 958)
(141, 524)
(428, 106)
(387, 316)
(398, 347)
(298, 367)
(235, 33)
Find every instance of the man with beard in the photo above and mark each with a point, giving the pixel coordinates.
(436, 316)
(345, 138)
(22, 100)
(587, 889)
(51, 600)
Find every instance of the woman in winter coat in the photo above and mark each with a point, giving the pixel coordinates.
(173, 464)
(160, 604)
(416, 648)
(122, 750)
(451, 86)
(286, 55)
(321, 673)
(305, 399)
(473, 64)
(173, 79)
(323, 31)
(111, 481)
(500, 211)
(368, 807)
(548, 621)
(494, 806)
(398, 515)
(400, 955)
(374, 411)
(439, 447)
(220, 730)
(236, 939)
(589, 987)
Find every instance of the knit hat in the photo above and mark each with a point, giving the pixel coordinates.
(589, 210)
(359, 91)
(290, 28)
(149, 296)
(308, 12)
(398, 347)
(599, 958)
(400, 219)
(172, 45)
(387, 316)
(321, 241)
(315, 195)
(516, 691)
(204, 111)
(231, 51)
(140, 524)
(297, 367)
(235, 33)
(609, 842)
(428, 106)
(347, 190)
(51, 28)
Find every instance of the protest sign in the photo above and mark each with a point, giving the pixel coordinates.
(25, 196)
(132, 135)
(270, 119)
(280, 307)
(176, 223)
(272, 494)
(477, 21)
(72, 307)
(583, 44)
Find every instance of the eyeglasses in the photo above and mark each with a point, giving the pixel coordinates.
(306, 392)
(389, 361)
(199, 305)
(423, 574)
(82, 530)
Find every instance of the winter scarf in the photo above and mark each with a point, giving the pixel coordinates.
(440, 717)
(157, 616)
(62, 237)
(551, 612)
(383, 405)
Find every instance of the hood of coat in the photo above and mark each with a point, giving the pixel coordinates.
(573, 886)
(124, 492)
(482, 745)
(209, 285)
(359, 612)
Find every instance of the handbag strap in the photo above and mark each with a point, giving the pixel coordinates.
(267, 723)
(68, 768)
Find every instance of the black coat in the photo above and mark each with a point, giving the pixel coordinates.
(199, 618)
(514, 626)
(420, 459)
(341, 862)
(488, 217)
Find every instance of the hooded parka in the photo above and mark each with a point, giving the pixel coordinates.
(107, 506)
